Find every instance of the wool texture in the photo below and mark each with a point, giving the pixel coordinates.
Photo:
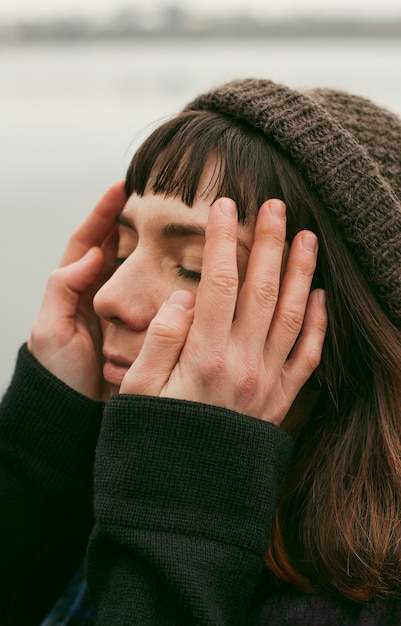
(349, 152)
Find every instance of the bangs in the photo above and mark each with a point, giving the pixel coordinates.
(173, 158)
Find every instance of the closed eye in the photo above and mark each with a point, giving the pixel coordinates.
(189, 274)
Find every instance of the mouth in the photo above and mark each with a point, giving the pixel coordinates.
(114, 369)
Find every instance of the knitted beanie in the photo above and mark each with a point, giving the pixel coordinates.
(349, 151)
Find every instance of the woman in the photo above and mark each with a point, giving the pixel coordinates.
(247, 464)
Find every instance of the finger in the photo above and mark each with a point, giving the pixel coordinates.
(306, 355)
(259, 293)
(110, 248)
(294, 294)
(218, 288)
(94, 230)
(163, 343)
(66, 284)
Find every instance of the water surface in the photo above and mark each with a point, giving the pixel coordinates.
(72, 114)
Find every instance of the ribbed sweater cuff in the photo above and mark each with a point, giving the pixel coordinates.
(48, 431)
(184, 467)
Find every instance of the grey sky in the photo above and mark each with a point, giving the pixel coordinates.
(10, 9)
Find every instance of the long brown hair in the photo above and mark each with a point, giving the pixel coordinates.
(338, 521)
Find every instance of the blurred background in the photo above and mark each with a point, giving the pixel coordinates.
(82, 84)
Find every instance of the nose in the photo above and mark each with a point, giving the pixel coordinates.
(133, 294)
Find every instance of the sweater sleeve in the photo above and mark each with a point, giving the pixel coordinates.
(184, 498)
(48, 435)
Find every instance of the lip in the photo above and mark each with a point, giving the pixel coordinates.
(114, 369)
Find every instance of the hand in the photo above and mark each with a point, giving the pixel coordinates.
(66, 336)
(250, 348)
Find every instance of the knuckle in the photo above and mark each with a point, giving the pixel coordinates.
(313, 358)
(276, 237)
(306, 271)
(248, 382)
(54, 278)
(292, 318)
(71, 242)
(163, 332)
(213, 368)
(265, 294)
(272, 234)
(221, 231)
(224, 282)
(321, 321)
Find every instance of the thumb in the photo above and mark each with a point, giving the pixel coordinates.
(61, 298)
(65, 285)
(82, 273)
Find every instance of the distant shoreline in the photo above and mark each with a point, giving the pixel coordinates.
(178, 28)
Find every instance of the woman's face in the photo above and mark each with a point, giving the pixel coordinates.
(160, 250)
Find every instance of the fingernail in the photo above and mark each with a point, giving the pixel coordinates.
(322, 298)
(277, 208)
(181, 299)
(309, 242)
(227, 206)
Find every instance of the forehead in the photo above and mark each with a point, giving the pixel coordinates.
(159, 217)
(158, 209)
(159, 205)
(207, 181)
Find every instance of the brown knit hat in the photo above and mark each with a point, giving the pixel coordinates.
(349, 151)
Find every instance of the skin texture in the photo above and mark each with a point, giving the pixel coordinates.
(246, 337)
(66, 336)
(231, 348)
(151, 272)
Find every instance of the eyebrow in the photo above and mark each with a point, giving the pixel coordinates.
(170, 231)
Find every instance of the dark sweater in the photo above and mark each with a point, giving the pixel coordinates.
(184, 496)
